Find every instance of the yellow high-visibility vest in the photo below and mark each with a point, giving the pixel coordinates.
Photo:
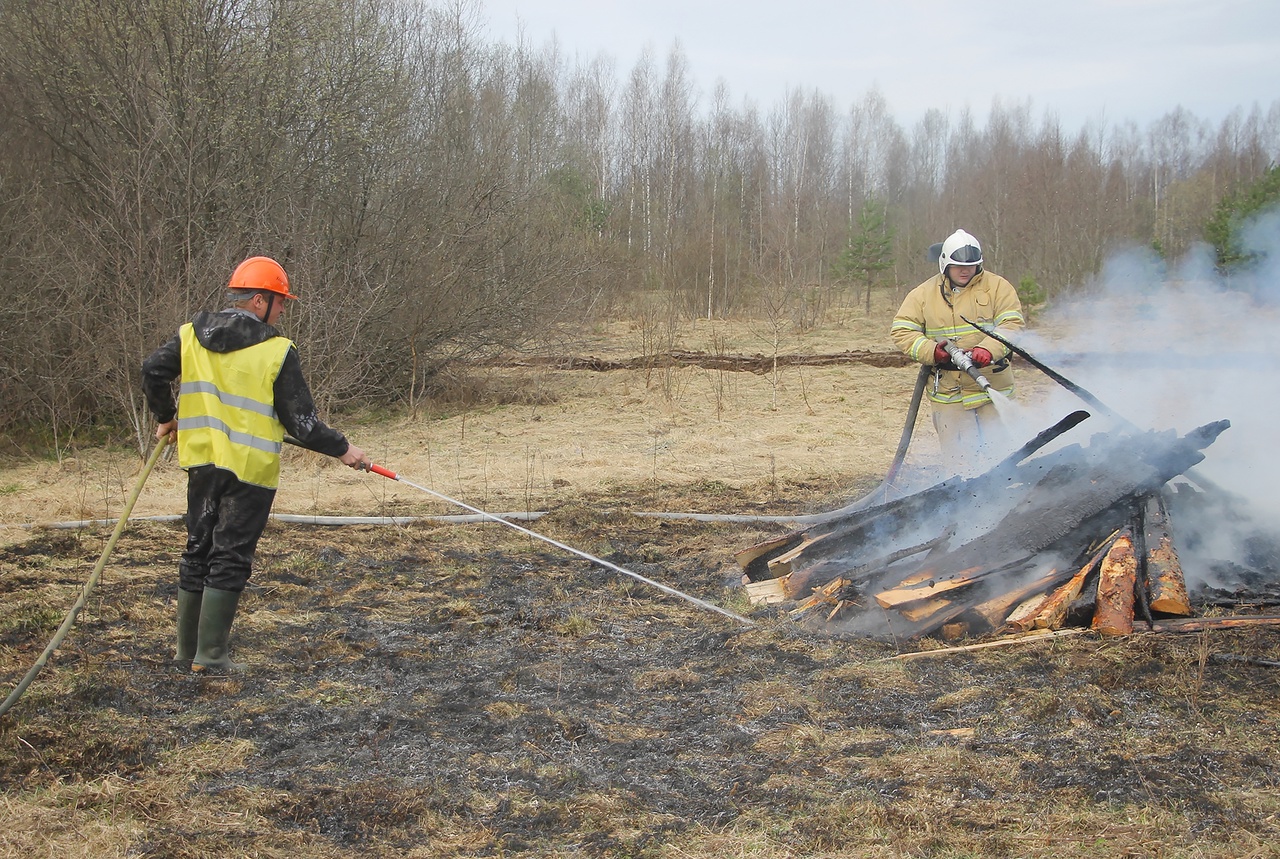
(226, 408)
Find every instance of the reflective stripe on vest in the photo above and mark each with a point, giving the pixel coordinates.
(226, 411)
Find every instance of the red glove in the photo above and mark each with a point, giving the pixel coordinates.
(940, 355)
(981, 357)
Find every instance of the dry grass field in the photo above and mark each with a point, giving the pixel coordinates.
(434, 689)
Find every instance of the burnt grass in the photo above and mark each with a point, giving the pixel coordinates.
(469, 691)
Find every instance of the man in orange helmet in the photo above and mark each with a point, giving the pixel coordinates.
(241, 389)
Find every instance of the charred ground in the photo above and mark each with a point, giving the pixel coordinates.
(468, 691)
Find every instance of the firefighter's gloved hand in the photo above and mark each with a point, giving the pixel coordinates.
(980, 357)
(940, 355)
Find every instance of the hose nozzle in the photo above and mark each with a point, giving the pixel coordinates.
(961, 359)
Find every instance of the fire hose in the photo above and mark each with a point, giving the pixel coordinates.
(962, 361)
(70, 619)
(391, 475)
(1082, 393)
(904, 440)
(899, 456)
(1055, 375)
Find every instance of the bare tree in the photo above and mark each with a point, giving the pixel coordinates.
(436, 197)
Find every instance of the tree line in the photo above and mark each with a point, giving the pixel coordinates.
(434, 195)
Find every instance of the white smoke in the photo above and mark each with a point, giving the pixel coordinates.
(1165, 347)
(1180, 347)
(1176, 346)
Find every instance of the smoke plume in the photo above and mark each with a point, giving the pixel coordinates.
(1176, 346)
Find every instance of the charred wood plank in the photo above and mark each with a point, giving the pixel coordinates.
(999, 610)
(922, 611)
(854, 531)
(930, 588)
(914, 589)
(904, 520)
(1042, 438)
(1200, 624)
(1014, 583)
(754, 560)
(1115, 469)
(781, 565)
(799, 583)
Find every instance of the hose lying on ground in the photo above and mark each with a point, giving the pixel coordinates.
(292, 519)
(70, 619)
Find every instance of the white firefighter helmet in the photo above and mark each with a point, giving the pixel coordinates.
(960, 248)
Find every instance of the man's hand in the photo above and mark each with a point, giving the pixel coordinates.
(980, 357)
(940, 355)
(356, 458)
(168, 428)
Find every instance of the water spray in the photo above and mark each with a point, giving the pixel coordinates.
(1062, 380)
(964, 362)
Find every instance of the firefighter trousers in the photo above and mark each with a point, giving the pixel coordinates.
(970, 438)
(225, 519)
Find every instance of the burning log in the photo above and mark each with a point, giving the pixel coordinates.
(936, 560)
(1072, 492)
(1054, 609)
(853, 529)
(1113, 613)
(1168, 588)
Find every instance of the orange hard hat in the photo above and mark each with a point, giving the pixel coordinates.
(261, 273)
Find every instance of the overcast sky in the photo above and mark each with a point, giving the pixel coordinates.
(1082, 60)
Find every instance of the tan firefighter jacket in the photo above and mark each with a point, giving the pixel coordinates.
(932, 313)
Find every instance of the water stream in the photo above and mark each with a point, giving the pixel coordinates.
(1004, 406)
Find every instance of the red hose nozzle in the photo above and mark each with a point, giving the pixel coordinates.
(385, 472)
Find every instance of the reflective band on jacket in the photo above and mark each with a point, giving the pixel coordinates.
(950, 387)
(968, 399)
(226, 411)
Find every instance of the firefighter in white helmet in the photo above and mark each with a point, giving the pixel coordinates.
(934, 312)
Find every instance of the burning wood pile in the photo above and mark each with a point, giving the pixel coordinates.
(1079, 536)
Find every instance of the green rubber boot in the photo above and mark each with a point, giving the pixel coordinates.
(217, 610)
(188, 625)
